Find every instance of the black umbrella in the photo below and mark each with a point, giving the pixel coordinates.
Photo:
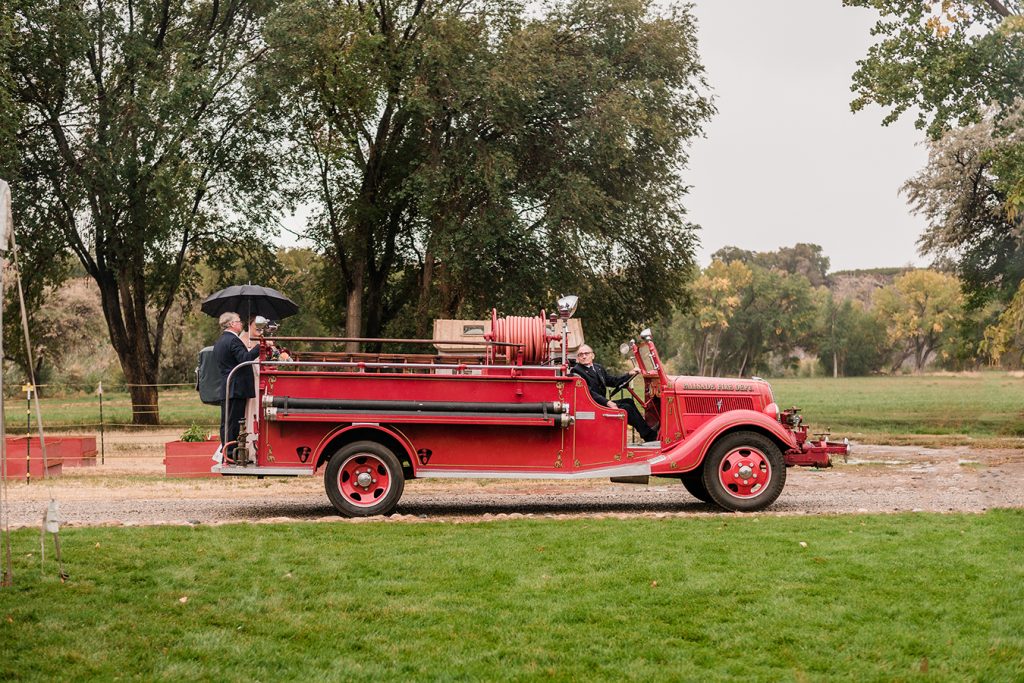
(250, 300)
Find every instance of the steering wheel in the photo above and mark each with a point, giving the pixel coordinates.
(623, 384)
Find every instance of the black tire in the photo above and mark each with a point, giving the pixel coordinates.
(384, 480)
(738, 454)
(694, 484)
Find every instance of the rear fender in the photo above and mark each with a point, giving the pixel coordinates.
(689, 453)
(389, 436)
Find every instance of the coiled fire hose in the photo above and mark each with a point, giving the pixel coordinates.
(525, 338)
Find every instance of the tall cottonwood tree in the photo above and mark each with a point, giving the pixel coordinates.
(960, 194)
(920, 310)
(140, 151)
(464, 154)
(958, 67)
(716, 294)
(848, 338)
(946, 62)
(742, 314)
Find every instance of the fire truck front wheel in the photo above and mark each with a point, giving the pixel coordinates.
(364, 479)
(744, 471)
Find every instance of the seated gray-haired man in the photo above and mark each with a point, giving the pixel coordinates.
(598, 380)
(228, 352)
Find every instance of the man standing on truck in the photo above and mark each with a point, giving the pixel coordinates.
(598, 381)
(228, 352)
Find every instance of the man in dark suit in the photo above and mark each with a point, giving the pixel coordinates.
(228, 352)
(598, 381)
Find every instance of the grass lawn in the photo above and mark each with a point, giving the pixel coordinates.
(986, 406)
(887, 598)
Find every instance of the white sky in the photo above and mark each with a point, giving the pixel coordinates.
(785, 160)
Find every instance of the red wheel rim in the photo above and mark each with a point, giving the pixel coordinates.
(745, 472)
(364, 480)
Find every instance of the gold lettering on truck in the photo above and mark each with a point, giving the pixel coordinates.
(695, 386)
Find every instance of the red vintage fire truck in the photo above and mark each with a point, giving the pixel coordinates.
(511, 409)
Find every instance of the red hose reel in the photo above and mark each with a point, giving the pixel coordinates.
(519, 340)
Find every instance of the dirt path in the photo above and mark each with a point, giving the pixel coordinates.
(129, 489)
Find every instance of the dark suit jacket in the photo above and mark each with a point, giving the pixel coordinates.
(598, 380)
(228, 352)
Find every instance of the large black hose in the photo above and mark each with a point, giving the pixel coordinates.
(289, 403)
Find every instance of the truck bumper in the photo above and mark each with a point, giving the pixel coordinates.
(816, 453)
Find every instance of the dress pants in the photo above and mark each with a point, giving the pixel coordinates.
(235, 413)
(636, 420)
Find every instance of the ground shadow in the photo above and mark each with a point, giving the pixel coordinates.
(441, 509)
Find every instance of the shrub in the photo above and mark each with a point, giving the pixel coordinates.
(194, 433)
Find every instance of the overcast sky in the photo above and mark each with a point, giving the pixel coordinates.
(784, 160)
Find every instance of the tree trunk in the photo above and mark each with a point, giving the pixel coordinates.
(835, 364)
(373, 307)
(141, 377)
(145, 405)
(899, 362)
(426, 291)
(130, 338)
(354, 315)
(921, 352)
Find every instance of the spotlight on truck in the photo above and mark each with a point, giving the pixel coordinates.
(567, 306)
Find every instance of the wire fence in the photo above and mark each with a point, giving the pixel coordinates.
(65, 389)
(68, 406)
(101, 408)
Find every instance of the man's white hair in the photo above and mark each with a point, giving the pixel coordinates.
(226, 319)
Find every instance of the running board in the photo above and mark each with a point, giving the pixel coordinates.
(638, 470)
(632, 470)
(254, 471)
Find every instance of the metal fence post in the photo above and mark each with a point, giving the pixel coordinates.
(102, 451)
(27, 388)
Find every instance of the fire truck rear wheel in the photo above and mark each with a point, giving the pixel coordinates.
(694, 484)
(363, 479)
(744, 472)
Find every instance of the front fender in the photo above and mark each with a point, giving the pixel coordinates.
(689, 453)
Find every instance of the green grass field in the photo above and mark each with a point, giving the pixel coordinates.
(982, 407)
(886, 598)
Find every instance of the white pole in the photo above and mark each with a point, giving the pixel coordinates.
(6, 229)
(28, 353)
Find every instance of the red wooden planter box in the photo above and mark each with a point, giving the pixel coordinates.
(76, 451)
(16, 456)
(190, 459)
(71, 451)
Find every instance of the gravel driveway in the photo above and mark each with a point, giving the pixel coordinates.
(129, 489)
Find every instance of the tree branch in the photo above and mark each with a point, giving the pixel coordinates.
(165, 20)
(999, 7)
